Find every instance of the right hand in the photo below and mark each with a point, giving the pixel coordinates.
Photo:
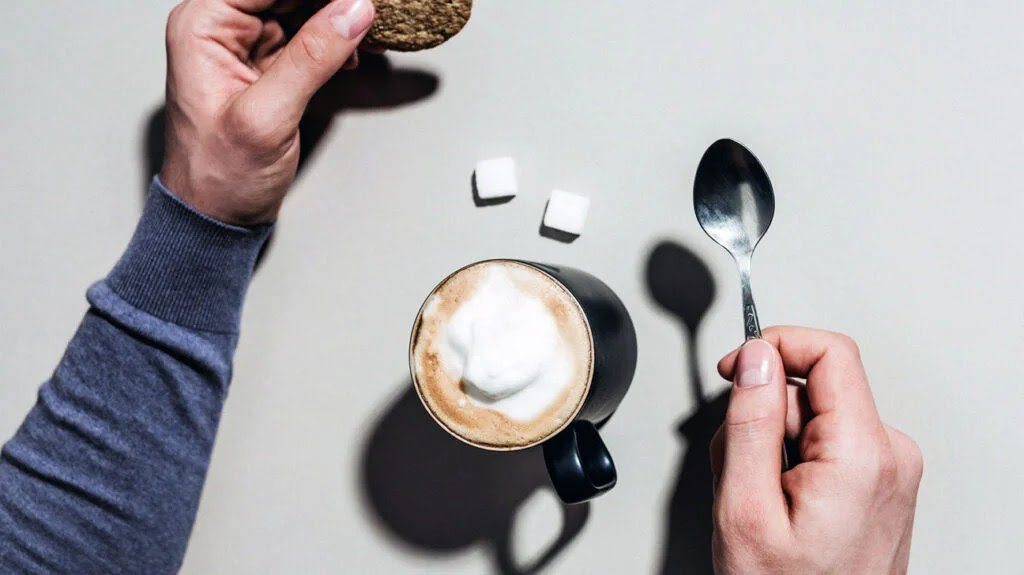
(848, 506)
(236, 90)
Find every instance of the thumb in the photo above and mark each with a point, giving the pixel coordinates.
(316, 53)
(755, 425)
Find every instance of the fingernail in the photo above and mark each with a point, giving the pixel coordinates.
(754, 365)
(352, 17)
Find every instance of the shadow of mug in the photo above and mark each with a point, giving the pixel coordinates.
(439, 495)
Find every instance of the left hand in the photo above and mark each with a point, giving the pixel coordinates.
(236, 90)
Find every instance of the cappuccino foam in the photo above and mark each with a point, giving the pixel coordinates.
(502, 355)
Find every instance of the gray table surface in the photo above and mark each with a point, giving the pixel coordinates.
(891, 131)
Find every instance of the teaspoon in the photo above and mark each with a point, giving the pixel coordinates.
(735, 204)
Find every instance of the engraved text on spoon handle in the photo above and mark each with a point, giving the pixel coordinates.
(751, 326)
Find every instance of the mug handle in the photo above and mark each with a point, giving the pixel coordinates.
(579, 464)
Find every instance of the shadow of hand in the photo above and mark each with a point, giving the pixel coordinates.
(688, 516)
(375, 85)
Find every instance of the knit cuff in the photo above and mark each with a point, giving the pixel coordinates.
(186, 267)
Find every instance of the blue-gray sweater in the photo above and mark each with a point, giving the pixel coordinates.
(104, 475)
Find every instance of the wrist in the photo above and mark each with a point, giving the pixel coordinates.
(185, 267)
(229, 199)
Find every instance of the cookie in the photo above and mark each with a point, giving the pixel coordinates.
(410, 25)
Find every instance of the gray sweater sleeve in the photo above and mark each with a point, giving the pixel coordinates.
(105, 473)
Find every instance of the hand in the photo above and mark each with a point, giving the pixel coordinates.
(236, 90)
(848, 506)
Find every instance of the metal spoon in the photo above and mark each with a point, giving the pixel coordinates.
(735, 204)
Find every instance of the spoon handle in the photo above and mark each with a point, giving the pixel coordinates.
(751, 326)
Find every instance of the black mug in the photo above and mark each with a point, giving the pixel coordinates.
(578, 463)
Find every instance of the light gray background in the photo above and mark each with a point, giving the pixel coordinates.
(892, 133)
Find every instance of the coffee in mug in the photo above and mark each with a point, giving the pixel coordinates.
(507, 354)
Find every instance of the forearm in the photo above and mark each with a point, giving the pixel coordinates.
(106, 471)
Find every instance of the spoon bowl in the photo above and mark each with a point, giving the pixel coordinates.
(735, 204)
(733, 197)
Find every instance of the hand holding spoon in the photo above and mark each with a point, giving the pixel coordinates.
(735, 204)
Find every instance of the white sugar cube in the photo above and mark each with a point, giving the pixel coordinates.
(567, 212)
(496, 178)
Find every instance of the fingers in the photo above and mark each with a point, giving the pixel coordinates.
(908, 457)
(317, 52)
(798, 413)
(751, 437)
(798, 408)
(831, 364)
(268, 47)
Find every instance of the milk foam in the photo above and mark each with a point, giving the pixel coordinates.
(506, 347)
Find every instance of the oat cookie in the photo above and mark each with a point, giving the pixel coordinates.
(410, 25)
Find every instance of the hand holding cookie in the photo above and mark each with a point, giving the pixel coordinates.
(237, 87)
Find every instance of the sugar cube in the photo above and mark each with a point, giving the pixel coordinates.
(496, 178)
(567, 212)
